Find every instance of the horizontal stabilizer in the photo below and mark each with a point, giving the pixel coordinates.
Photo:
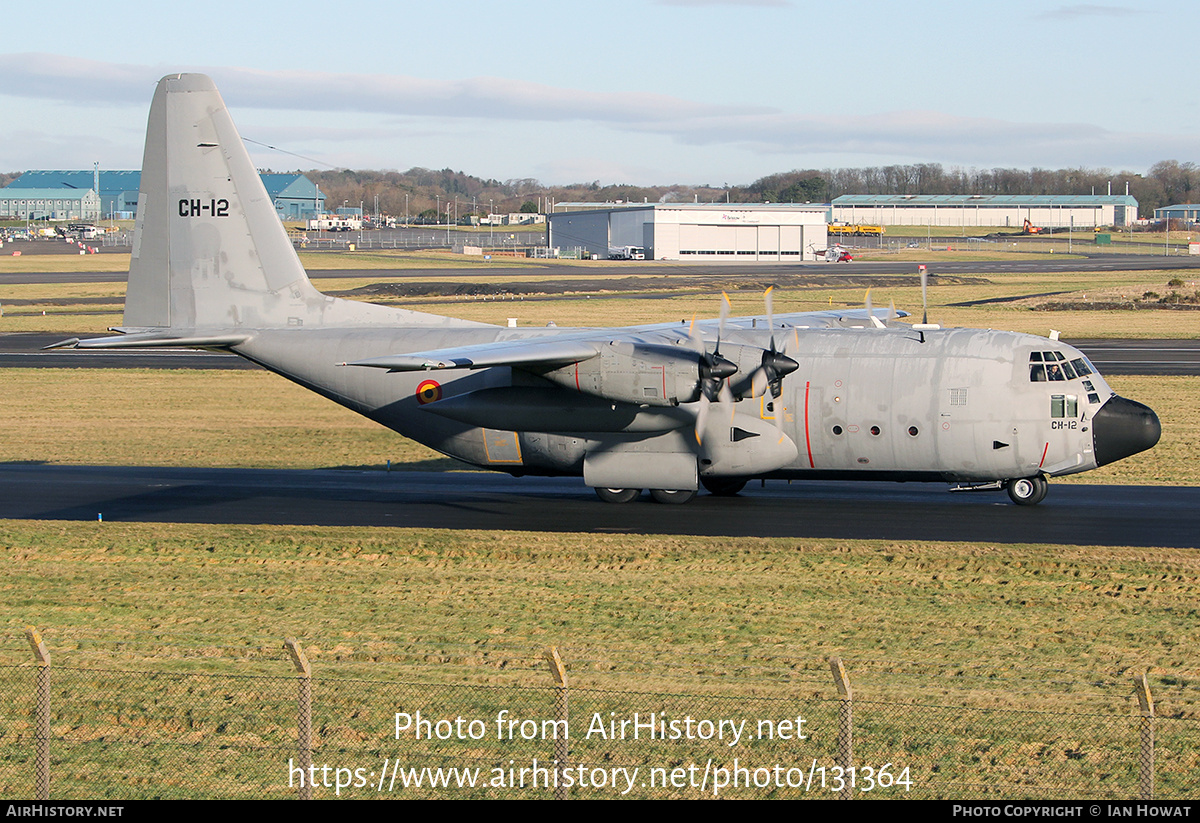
(518, 353)
(154, 340)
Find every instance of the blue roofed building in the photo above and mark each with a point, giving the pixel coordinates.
(1181, 211)
(295, 196)
(118, 190)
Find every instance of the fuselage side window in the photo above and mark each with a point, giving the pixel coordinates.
(1064, 406)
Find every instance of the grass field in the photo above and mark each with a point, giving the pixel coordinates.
(1001, 666)
(740, 615)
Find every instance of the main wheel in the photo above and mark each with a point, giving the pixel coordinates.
(672, 495)
(723, 486)
(618, 495)
(1028, 491)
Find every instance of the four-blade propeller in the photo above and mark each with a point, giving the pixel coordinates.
(716, 371)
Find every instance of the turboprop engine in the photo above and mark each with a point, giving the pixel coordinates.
(645, 374)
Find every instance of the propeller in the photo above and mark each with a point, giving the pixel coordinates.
(715, 371)
(875, 321)
(713, 368)
(924, 301)
(774, 365)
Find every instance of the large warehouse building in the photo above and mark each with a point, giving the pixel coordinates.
(985, 210)
(49, 204)
(696, 232)
(294, 195)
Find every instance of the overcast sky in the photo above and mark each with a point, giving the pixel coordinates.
(621, 91)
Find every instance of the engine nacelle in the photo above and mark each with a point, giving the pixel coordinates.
(640, 373)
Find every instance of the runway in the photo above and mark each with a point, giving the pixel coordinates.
(1149, 516)
(936, 267)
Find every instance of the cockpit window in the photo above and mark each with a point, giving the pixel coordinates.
(1052, 366)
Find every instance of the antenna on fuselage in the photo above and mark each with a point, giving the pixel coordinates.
(924, 324)
(924, 296)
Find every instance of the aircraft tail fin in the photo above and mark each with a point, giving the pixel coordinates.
(209, 249)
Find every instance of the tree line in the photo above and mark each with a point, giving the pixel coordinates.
(426, 191)
(1166, 183)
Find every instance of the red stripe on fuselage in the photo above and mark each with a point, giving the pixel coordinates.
(807, 441)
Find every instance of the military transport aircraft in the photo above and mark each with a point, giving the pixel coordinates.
(670, 407)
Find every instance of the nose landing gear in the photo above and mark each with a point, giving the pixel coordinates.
(1028, 491)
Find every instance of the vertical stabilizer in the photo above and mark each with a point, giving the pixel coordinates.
(209, 250)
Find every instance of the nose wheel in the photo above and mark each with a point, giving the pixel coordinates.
(1028, 491)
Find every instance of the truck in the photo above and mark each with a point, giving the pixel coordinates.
(855, 229)
(329, 222)
(626, 253)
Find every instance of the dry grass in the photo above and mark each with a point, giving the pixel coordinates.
(706, 626)
(188, 418)
(39, 263)
(619, 606)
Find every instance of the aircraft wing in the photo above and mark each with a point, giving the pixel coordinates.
(527, 352)
(579, 345)
(827, 318)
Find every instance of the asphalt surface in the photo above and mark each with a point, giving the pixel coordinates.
(1094, 262)
(1160, 516)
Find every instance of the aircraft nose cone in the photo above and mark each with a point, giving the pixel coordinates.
(1123, 427)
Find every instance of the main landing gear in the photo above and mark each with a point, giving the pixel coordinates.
(660, 495)
(1028, 491)
(618, 495)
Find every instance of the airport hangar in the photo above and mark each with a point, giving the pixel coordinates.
(49, 204)
(41, 194)
(1058, 211)
(693, 232)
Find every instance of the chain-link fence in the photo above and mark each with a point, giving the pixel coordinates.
(72, 733)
